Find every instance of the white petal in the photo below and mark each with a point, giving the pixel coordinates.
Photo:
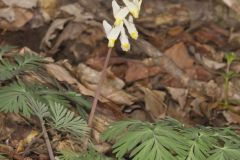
(116, 8)
(114, 33)
(131, 27)
(121, 15)
(107, 27)
(125, 45)
(133, 8)
(138, 3)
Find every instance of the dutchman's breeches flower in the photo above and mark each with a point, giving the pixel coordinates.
(125, 45)
(121, 20)
(131, 27)
(119, 13)
(134, 7)
(111, 32)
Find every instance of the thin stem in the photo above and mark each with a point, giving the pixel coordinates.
(226, 86)
(47, 141)
(97, 92)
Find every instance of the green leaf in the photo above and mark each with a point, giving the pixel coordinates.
(91, 154)
(4, 49)
(200, 142)
(159, 141)
(65, 120)
(2, 157)
(228, 152)
(40, 109)
(13, 98)
(68, 154)
(20, 64)
(230, 57)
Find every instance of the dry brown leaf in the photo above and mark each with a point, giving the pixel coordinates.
(231, 117)
(198, 72)
(164, 19)
(234, 4)
(141, 70)
(8, 14)
(211, 64)
(112, 86)
(22, 16)
(61, 74)
(49, 6)
(70, 32)
(154, 101)
(179, 54)
(76, 10)
(21, 3)
(51, 33)
(179, 94)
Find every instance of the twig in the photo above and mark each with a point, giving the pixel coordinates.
(97, 92)
(47, 141)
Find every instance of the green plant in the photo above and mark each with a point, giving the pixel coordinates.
(2, 157)
(169, 140)
(36, 99)
(228, 75)
(91, 154)
(18, 64)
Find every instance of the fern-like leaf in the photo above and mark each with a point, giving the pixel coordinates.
(40, 109)
(20, 64)
(227, 152)
(91, 154)
(68, 154)
(145, 140)
(13, 98)
(64, 120)
(200, 141)
(5, 49)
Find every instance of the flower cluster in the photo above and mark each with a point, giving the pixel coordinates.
(123, 17)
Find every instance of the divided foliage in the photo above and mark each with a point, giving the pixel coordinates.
(19, 64)
(91, 154)
(169, 140)
(49, 105)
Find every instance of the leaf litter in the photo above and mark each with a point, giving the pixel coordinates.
(173, 70)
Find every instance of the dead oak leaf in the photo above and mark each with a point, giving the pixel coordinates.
(179, 54)
(61, 74)
(231, 117)
(154, 101)
(21, 3)
(141, 70)
(179, 94)
(20, 17)
(112, 87)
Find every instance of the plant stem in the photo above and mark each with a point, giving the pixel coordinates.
(47, 141)
(226, 86)
(98, 90)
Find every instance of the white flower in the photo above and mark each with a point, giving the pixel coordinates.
(134, 7)
(112, 32)
(119, 13)
(125, 45)
(131, 27)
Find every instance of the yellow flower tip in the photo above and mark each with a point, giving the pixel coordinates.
(135, 13)
(111, 43)
(125, 47)
(134, 35)
(118, 21)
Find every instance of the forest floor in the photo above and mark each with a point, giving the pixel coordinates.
(177, 68)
